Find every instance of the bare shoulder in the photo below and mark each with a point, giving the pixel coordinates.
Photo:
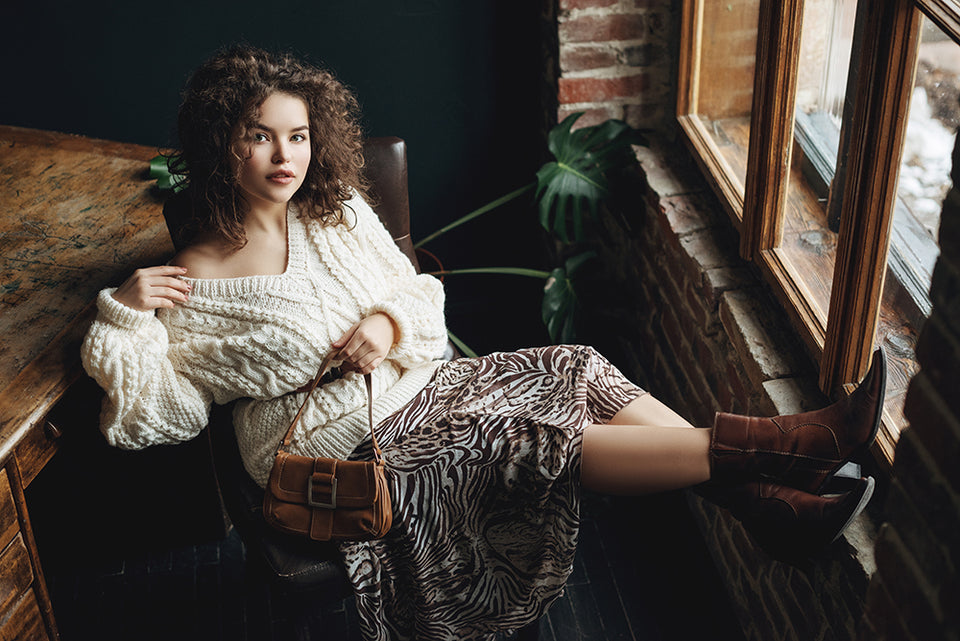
(204, 259)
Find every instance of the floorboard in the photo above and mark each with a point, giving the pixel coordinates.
(641, 574)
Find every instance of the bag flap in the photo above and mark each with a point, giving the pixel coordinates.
(356, 484)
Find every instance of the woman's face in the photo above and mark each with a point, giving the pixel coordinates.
(275, 152)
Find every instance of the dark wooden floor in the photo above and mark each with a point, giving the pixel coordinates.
(641, 573)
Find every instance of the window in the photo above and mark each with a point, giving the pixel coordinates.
(838, 202)
(723, 95)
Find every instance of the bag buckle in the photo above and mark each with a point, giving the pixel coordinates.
(332, 505)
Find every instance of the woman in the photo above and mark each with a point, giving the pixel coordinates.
(485, 456)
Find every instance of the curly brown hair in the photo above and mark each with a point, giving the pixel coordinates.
(223, 98)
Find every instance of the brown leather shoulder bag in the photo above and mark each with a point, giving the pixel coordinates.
(324, 498)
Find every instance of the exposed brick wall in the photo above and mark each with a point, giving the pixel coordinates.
(615, 60)
(915, 593)
(696, 327)
(677, 310)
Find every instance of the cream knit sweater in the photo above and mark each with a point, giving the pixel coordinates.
(258, 338)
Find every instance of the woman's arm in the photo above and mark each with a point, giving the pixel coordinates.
(148, 402)
(413, 302)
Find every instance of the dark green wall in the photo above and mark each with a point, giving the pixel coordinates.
(460, 81)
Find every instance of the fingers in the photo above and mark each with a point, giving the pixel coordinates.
(162, 270)
(154, 287)
(366, 360)
(166, 276)
(365, 366)
(347, 335)
(169, 295)
(360, 355)
(364, 346)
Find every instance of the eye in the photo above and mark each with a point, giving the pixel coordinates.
(259, 137)
(298, 137)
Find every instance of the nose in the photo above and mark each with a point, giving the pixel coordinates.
(281, 153)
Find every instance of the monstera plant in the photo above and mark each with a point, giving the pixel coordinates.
(568, 190)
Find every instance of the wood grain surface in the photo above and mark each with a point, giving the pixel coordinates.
(26, 622)
(78, 215)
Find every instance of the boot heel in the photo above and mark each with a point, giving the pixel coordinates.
(790, 524)
(860, 507)
(845, 479)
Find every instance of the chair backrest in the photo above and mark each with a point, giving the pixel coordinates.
(385, 169)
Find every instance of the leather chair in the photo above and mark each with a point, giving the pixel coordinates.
(287, 564)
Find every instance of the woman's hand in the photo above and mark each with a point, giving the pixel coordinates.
(152, 287)
(364, 346)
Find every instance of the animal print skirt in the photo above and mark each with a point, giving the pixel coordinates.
(484, 469)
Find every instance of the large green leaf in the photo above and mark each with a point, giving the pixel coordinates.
(578, 175)
(560, 304)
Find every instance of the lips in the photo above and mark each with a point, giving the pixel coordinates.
(282, 177)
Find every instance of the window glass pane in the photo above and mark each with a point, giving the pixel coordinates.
(931, 130)
(922, 187)
(808, 247)
(728, 43)
(824, 58)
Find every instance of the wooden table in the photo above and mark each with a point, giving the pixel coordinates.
(76, 215)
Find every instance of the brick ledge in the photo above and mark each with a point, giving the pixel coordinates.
(729, 334)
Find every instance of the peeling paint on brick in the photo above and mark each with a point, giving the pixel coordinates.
(760, 345)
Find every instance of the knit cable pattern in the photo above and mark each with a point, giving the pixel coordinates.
(258, 338)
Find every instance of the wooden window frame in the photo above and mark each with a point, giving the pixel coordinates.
(867, 174)
(714, 166)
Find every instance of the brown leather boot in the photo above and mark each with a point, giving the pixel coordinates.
(786, 522)
(800, 450)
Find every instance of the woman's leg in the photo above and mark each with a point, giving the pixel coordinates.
(637, 459)
(632, 459)
(769, 472)
(646, 447)
(647, 410)
(803, 450)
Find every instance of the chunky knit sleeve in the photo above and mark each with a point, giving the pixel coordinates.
(414, 301)
(148, 402)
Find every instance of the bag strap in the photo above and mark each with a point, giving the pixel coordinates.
(324, 366)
